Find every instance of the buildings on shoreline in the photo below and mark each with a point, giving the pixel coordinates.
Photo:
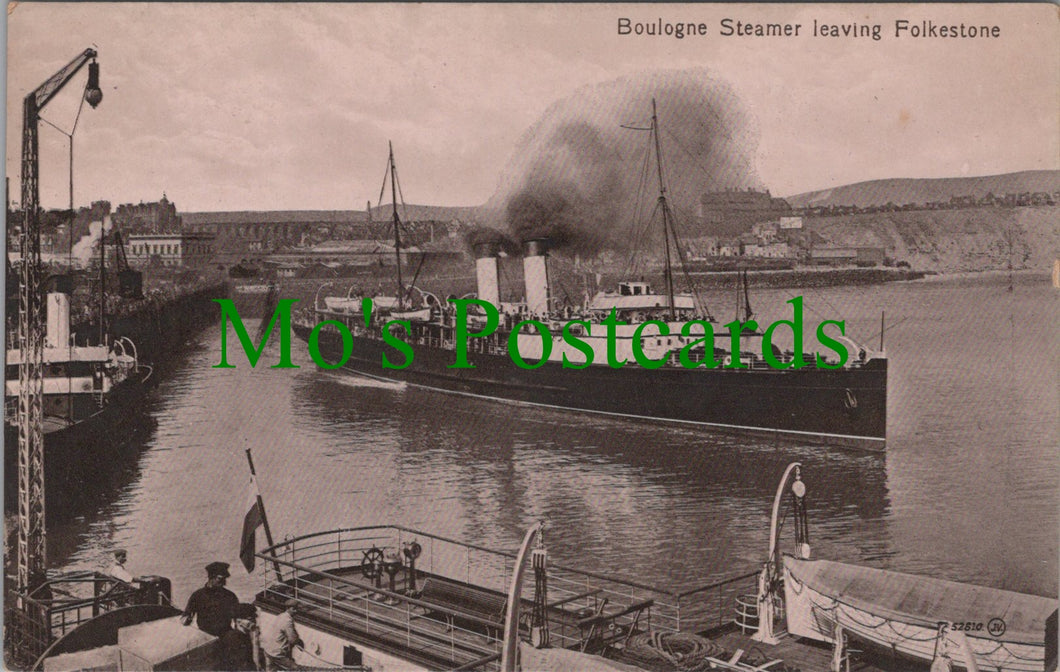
(735, 227)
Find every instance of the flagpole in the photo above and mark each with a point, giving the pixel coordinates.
(264, 518)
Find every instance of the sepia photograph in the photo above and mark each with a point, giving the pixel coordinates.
(540, 337)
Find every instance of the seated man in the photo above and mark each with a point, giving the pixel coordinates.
(125, 590)
(118, 571)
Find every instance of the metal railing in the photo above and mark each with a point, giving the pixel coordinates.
(323, 570)
(59, 605)
(714, 605)
(337, 600)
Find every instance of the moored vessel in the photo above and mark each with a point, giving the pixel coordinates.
(92, 400)
(392, 597)
(915, 619)
(73, 621)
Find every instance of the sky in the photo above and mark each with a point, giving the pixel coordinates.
(276, 106)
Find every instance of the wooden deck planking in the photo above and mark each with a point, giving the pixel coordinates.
(794, 652)
(811, 656)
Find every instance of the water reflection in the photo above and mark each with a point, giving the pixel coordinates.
(677, 504)
(970, 471)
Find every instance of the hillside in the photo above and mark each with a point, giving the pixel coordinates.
(971, 239)
(914, 190)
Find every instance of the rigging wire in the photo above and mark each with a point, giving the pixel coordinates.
(670, 219)
(638, 232)
(888, 328)
(404, 209)
(818, 296)
(673, 223)
(643, 232)
(382, 189)
(683, 261)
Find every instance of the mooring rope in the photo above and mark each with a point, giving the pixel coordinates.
(684, 651)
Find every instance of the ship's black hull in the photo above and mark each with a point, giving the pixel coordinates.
(91, 457)
(87, 459)
(842, 407)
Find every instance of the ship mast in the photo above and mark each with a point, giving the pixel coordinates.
(748, 313)
(668, 217)
(665, 207)
(397, 228)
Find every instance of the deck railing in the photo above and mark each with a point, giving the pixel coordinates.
(34, 621)
(714, 605)
(335, 597)
(322, 568)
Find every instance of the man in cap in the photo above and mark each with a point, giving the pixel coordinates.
(241, 646)
(213, 604)
(280, 639)
(117, 569)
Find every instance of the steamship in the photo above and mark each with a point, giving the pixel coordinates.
(92, 395)
(846, 405)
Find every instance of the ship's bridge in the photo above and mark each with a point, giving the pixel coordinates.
(639, 296)
(634, 288)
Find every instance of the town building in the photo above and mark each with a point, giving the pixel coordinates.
(774, 250)
(289, 235)
(190, 250)
(732, 212)
(159, 217)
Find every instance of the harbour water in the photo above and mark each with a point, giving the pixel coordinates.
(966, 490)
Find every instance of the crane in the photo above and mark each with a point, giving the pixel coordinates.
(31, 528)
(130, 281)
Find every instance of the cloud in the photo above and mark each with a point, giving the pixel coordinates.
(297, 101)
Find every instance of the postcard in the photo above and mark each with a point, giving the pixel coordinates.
(539, 336)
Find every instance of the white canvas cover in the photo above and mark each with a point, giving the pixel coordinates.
(922, 600)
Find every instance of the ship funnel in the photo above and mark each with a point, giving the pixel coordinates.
(58, 335)
(535, 275)
(486, 272)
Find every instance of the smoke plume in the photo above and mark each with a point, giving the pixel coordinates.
(580, 179)
(83, 249)
(484, 234)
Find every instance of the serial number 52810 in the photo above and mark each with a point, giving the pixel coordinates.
(968, 626)
(996, 626)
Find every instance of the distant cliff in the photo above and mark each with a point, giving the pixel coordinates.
(969, 239)
(901, 191)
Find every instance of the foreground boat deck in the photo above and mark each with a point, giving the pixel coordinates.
(343, 606)
(346, 609)
(806, 655)
(450, 614)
